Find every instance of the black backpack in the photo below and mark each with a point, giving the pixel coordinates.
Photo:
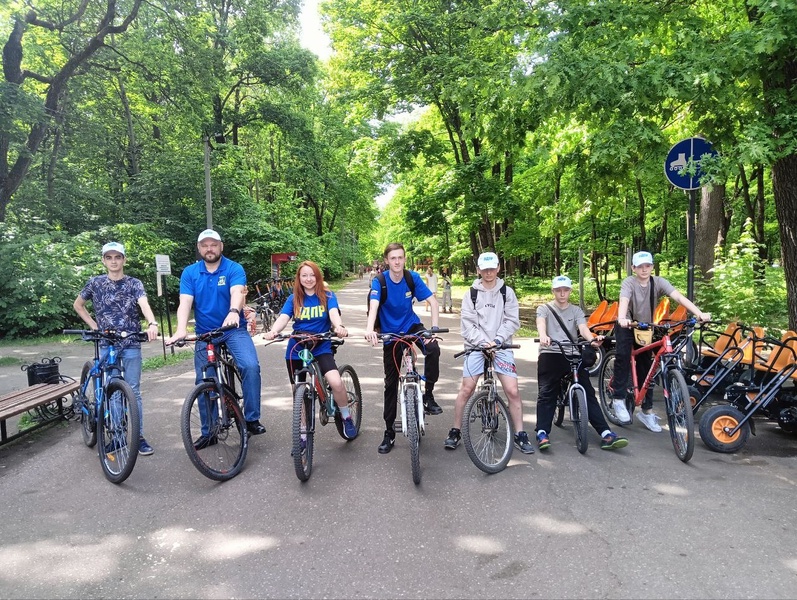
(383, 295)
(474, 292)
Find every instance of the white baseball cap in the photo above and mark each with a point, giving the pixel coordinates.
(209, 233)
(113, 247)
(642, 258)
(488, 260)
(561, 281)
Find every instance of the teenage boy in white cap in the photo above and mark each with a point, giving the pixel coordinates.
(216, 287)
(486, 323)
(116, 299)
(552, 366)
(639, 294)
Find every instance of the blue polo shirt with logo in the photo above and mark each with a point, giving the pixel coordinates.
(211, 291)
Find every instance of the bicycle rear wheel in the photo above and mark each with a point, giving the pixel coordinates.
(580, 417)
(487, 432)
(679, 414)
(352, 384)
(88, 407)
(605, 391)
(214, 432)
(302, 440)
(413, 435)
(118, 431)
(267, 318)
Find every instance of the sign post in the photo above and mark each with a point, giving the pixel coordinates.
(681, 158)
(163, 266)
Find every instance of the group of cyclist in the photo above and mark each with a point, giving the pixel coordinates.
(215, 287)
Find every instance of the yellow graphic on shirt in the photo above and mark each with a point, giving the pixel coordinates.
(311, 312)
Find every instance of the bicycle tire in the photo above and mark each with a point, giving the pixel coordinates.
(604, 391)
(679, 414)
(267, 318)
(601, 354)
(712, 429)
(412, 433)
(303, 402)
(580, 417)
(118, 430)
(352, 384)
(222, 458)
(487, 432)
(88, 417)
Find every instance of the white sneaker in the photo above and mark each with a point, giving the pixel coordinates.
(620, 411)
(650, 421)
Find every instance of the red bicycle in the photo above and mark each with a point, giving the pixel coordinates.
(668, 368)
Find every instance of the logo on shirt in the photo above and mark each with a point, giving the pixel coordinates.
(408, 294)
(222, 280)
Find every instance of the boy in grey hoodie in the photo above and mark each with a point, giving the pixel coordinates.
(489, 322)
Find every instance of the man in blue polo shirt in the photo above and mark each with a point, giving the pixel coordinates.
(216, 287)
(396, 316)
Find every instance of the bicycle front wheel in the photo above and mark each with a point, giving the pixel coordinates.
(266, 318)
(302, 447)
(679, 414)
(580, 417)
(88, 407)
(214, 432)
(487, 432)
(118, 431)
(352, 384)
(413, 435)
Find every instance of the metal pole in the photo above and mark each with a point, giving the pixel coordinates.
(581, 278)
(690, 269)
(208, 200)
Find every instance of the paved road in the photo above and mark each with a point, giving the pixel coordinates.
(636, 523)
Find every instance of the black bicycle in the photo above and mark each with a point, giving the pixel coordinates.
(212, 422)
(487, 431)
(572, 395)
(106, 405)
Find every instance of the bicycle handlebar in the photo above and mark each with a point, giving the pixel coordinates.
(111, 335)
(503, 346)
(203, 337)
(423, 333)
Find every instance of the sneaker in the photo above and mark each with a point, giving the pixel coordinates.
(255, 427)
(612, 441)
(452, 441)
(204, 441)
(429, 405)
(116, 444)
(649, 420)
(302, 447)
(523, 444)
(543, 443)
(387, 443)
(620, 411)
(349, 429)
(144, 449)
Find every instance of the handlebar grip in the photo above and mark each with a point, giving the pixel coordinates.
(458, 354)
(536, 340)
(512, 347)
(73, 331)
(440, 330)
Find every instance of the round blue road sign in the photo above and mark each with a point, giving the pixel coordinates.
(685, 152)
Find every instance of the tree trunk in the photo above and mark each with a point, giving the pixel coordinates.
(784, 186)
(708, 225)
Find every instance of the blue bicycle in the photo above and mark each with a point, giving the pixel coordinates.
(106, 404)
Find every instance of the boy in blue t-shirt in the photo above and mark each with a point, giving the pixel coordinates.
(396, 316)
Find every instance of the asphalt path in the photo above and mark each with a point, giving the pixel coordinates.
(634, 523)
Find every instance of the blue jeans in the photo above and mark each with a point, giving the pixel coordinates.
(131, 364)
(243, 351)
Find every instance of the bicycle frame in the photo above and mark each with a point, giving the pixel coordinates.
(665, 355)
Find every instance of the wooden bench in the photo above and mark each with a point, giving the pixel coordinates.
(35, 396)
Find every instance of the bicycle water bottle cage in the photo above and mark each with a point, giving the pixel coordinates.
(306, 356)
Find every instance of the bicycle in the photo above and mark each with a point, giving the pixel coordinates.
(211, 421)
(667, 366)
(106, 405)
(410, 396)
(265, 312)
(487, 431)
(572, 395)
(314, 388)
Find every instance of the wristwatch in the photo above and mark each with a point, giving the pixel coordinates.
(235, 310)
(151, 323)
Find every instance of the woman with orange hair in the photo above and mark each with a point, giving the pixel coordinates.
(314, 309)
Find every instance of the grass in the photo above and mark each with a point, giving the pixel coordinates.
(11, 361)
(156, 362)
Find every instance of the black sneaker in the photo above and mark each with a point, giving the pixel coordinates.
(387, 443)
(429, 405)
(522, 443)
(255, 427)
(204, 441)
(452, 441)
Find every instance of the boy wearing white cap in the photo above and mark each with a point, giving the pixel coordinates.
(116, 299)
(552, 366)
(490, 321)
(639, 294)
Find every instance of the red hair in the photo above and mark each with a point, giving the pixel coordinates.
(298, 290)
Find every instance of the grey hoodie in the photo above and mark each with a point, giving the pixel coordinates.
(489, 320)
